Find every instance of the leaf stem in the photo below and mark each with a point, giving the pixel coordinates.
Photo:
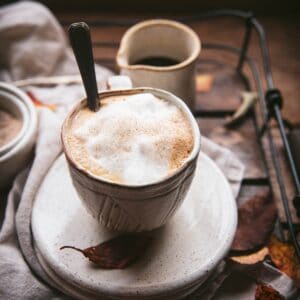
(71, 247)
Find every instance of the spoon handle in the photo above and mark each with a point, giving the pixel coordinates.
(80, 38)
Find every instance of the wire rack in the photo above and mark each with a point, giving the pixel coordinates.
(270, 103)
(270, 100)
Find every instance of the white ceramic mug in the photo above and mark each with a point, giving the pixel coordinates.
(133, 208)
(161, 38)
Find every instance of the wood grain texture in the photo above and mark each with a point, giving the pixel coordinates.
(225, 94)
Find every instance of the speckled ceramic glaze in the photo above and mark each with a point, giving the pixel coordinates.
(183, 253)
(134, 208)
(161, 38)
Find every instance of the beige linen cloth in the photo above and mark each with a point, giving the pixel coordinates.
(33, 44)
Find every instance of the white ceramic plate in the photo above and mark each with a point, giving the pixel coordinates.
(181, 257)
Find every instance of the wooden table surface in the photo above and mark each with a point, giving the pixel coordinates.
(224, 97)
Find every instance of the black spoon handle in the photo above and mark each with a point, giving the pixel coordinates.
(80, 39)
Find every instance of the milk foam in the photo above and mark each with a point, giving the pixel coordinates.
(135, 139)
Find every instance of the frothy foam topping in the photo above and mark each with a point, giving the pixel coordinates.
(133, 139)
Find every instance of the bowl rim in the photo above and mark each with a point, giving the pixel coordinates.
(24, 118)
(32, 124)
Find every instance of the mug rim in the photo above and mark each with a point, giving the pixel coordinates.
(195, 128)
(153, 23)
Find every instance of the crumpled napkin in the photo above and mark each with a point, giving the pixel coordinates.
(35, 45)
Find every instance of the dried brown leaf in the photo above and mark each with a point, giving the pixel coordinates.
(117, 253)
(39, 103)
(252, 258)
(256, 222)
(284, 258)
(204, 83)
(265, 292)
(248, 100)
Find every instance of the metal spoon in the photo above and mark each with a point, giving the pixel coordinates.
(80, 39)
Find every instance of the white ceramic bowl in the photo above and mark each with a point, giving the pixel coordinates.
(17, 108)
(19, 152)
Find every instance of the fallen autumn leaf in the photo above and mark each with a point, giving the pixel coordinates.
(204, 83)
(252, 258)
(265, 292)
(284, 258)
(117, 253)
(256, 222)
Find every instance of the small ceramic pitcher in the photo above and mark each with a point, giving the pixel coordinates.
(161, 39)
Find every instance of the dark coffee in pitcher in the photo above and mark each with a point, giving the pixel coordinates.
(157, 61)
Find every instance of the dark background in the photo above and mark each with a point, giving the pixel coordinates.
(263, 7)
